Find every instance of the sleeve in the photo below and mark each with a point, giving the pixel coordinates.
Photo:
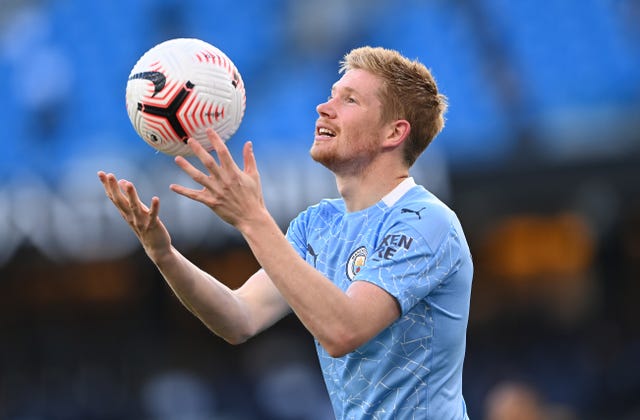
(407, 267)
(296, 234)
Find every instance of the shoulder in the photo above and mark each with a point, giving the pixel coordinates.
(325, 210)
(421, 208)
(326, 206)
(425, 214)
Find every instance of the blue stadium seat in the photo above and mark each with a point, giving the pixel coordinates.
(249, 32)
(567, 53)
(283, 109)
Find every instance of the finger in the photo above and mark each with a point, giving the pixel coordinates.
(187, 192)
(105, 184)
(196, 147)
(213, 137)
(205, 157)
(154, 210)
(221, 149)
(115, 193)
(103, 179)
(135, 204)
(250, 165)
(194, 172)
(102, 176)
(155, 207)
(116, 196)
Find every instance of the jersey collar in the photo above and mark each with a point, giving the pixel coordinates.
(395, 194)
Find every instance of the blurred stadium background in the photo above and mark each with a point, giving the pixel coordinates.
(540, 158)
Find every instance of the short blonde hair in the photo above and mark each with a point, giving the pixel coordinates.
(409, 92)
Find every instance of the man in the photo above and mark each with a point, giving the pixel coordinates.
(381, 277)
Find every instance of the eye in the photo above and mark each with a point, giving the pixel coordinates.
(351, 100)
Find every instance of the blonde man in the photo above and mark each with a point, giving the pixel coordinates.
(381, 277)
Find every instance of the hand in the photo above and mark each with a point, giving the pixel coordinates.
(143, 220)
(233, 194)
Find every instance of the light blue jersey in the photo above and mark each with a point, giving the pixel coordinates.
(411, 245)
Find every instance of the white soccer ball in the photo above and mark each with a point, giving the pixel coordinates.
(178, 89)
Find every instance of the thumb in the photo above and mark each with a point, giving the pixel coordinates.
(250, 165)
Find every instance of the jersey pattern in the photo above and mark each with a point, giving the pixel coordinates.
(411, 245)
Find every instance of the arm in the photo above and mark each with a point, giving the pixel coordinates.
(233, 315)
(340, 321)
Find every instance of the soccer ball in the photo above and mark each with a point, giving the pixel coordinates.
(178, 89)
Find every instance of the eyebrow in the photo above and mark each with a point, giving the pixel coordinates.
(346, 89)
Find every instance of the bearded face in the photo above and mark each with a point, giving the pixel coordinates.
(348, 131)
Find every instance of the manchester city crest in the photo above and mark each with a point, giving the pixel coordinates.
(356, 262)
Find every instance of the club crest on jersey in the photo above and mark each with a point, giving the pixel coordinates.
(356, 262)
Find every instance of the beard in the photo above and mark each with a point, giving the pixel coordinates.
(340, 162)
(326, 157)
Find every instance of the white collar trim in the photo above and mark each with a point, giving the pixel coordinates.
(400, 190)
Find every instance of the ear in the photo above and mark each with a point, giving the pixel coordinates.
(398, 131)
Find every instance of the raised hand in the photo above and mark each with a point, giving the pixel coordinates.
(233, 194)
(143, 220)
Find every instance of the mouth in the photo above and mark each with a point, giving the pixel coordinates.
(324, 132)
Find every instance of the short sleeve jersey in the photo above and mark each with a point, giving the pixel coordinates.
(411, 245)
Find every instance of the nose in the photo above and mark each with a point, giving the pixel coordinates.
(325, 109)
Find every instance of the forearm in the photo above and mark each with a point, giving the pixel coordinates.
(217, 306)
(324, 309)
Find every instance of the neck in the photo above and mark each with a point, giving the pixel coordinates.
(367, 188)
